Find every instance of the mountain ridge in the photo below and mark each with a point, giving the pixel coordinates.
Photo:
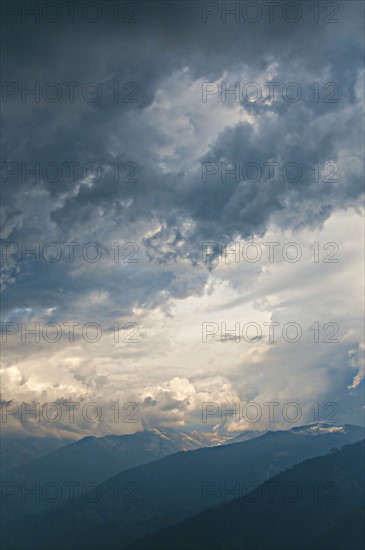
(169, 490)
(262, 524)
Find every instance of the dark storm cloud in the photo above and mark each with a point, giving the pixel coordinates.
(168, 37)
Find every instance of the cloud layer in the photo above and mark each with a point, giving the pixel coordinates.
(138, 162)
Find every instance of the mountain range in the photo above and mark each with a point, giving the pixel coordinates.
(92, 460)
(139, 501)
(317, 504)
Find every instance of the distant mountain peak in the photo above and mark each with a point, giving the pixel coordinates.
(319, 428)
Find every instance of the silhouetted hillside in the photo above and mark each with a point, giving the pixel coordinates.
(317, 504)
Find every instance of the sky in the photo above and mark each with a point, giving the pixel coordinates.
(152, 151)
